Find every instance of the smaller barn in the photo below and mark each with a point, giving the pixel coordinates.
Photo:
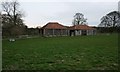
(81, 30)
(54, 29)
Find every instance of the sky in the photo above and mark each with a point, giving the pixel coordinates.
(40, 12)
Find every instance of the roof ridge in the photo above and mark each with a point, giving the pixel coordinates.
(52, 22)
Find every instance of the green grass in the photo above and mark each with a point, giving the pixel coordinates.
(98, 52)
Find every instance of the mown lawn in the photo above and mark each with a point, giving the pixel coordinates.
(98, 52)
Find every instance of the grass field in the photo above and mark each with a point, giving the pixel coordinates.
(99, 52)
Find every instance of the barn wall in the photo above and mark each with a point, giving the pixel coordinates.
(94, 32)
(91, 32)
(65, 32)
(56, 32)
(48, 32)
(77, 32)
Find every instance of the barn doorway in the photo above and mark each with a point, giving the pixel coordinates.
(84, 32)
(72, 32)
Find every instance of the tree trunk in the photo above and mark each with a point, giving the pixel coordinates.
(114, 22)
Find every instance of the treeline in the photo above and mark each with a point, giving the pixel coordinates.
(10, 29)
(110, 23)
(12, 23)
(107, 29)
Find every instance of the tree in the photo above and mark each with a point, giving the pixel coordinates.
(12, 10)
(79, 19)
(9, 28)
(112, 19)
(12, 22)
(110, 22)
(0, 20)
(6, 25)
(0, 25)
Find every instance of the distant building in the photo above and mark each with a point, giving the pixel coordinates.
(81, 30)
(56, 29)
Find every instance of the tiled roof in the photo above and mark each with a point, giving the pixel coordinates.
(81, 27)
(54, 25)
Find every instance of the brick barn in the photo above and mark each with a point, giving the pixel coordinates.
(81, 30)
(56, 29)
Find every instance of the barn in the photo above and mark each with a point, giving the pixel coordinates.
(82, 29)
(56, 29)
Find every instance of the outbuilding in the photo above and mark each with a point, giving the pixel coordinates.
(56, 29)
(82, 29)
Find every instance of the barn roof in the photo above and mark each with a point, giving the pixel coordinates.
(81, 27)
(54, 25)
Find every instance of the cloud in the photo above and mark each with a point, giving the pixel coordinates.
(68, 0)
(39, 13)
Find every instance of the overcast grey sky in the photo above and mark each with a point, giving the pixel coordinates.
(40, 12)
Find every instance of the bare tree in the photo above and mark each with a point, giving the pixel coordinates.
(112, 19)
(12, 17)
(12, 10)
(79, 19)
